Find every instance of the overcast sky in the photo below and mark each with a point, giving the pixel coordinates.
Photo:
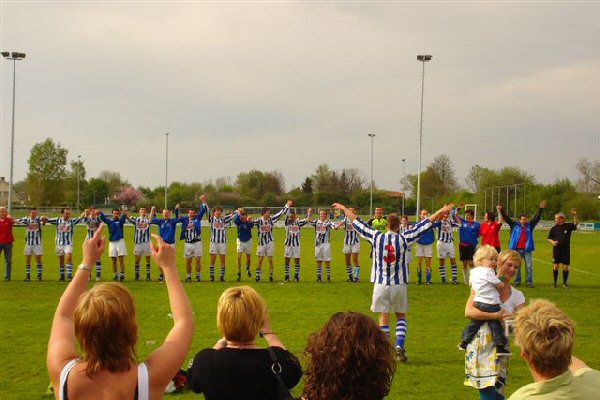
(289, 85)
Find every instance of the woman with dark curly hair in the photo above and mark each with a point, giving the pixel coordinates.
(362, 366)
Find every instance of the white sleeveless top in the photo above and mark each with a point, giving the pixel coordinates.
(142, 390)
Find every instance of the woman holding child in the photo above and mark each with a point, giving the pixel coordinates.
(484, 370)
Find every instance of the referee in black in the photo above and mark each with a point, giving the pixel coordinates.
(560, 238)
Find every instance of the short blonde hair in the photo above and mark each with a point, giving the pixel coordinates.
(509, 255)
(546, 336)
(486, 252)
(106, 329)
(241, 313)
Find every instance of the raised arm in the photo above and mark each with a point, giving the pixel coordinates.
(505, 216)
(438, 214)
(536, 218)
(62, 343)
(165, 361)
(275, 217)
(500, 216)
(575, 218)
(454, 214)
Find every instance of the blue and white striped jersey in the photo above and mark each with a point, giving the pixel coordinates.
(218, 226)
(33, 230)
(404, 228)
(92, 225)
(292, 231)
(444, 227)
(322, 230)
(389, 249)
(265, 227)
(350, 235)
(64, 230)
(141, 232)
(191, 229)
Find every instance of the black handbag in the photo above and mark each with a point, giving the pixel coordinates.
(282, 391)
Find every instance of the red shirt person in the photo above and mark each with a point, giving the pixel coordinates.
(6, 241)
(490, 230)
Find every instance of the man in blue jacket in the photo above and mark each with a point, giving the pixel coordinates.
(521, 240)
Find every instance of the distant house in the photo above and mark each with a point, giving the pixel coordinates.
(3, 190)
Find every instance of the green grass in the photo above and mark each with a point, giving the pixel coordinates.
(435, 319)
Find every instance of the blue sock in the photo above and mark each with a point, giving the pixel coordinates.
(420, 274)
(385, 329)
(400, 332)
(69, 270)
(61, 270)
(427, 275)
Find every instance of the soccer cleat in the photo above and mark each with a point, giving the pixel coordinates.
(286, 278)
(116, 278)
(462, 346)
(6, 279)
(428, 283)
(188, 279)
(401, 354)
(62, 278)
(98, 278)
(148, 279)
(329, 279)
(239, 278)
(27, 279)
(222, 279)
(212, 278)
(270, 278)
(502, 351)
(248, 272)
(566, 286)
(319, 279)
(137, 277)
(121, 278)
(419, 282)
(39, 278)
(69, 278)
(161, 278)
(455, 282)
(530, 285)
(257, 278)
(296, 278)
(554, 286)
(444, 281)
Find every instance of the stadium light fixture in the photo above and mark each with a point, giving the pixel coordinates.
(372, 136)
(402, 188)
(14, 56)
(423, 58)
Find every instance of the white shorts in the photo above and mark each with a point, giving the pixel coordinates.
(291, 252)
(117, 249)
(141, 249)
(424, 250)
(351, 248)
(445, 250)
(193, 249)
(244, 247)
(217, 248)
(33, 249)
(62, 250)
(389, 298)
(265, 250)
(323, 252)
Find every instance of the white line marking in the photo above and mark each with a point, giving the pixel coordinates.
(571, 268)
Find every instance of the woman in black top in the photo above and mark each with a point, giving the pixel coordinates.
(236, 368)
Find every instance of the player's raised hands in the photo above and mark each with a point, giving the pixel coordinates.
(289, 203)
(177, 206)
(499, 207)
(162, 253)
(203, 198)
(573, 211)
(543, 204)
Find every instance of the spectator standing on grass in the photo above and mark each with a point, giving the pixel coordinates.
(116, 244)
(560, 238)
(468, 234)
(236, 367)
(33, 242)
(546, 336)
(389, 272)
(484, 370)
(101, 322)
(521, 240)
(360, 365)
(6, 241)
(490, 230)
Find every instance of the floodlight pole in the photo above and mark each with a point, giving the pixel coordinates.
(423, 58)
(14, 56)
(371, 135)
(166, 167)
(78, 178)
(402, 186)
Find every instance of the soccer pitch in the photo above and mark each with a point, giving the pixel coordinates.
(435, 368)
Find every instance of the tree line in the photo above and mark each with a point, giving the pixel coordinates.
(53, 181)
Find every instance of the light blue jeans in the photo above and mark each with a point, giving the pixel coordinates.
(525, 255)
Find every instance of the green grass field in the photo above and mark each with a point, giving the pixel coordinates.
(435, 320)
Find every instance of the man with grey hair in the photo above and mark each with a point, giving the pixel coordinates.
(560, 238)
